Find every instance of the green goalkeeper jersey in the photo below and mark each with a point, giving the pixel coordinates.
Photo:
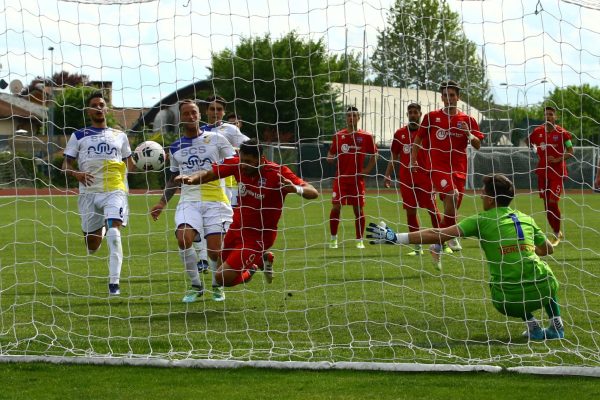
(508, 238)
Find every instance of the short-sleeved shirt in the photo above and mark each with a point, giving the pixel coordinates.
(508, 239)
(100, 152)
(260, 196)
(445, 139)
(550, 144)
(190, 155)
(235, 137)
(231, 132)
(351, 148)
(401, 148)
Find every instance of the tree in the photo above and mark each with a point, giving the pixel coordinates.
(283, 85)
(64, 78)
(59, 79)
(423, 45)
(577, 111)
(69, 110)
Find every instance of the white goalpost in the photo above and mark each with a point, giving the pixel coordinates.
(288, 70)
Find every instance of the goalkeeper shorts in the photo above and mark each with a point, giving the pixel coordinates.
(530, 297)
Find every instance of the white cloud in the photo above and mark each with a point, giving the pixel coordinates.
(148, 50)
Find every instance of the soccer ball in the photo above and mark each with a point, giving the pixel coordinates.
(149, 156)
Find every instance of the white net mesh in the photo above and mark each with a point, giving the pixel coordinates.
(376, 305)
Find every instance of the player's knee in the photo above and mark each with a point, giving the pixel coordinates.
(184, 244)
(92, 245)
(213, 254)
(183, 241)
(113, 223)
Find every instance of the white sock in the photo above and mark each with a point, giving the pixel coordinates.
(333, 237)
(200, 248)
(189, 259)
(113, 237)
(213, 267)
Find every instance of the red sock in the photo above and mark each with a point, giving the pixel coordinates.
(553, 215)
(359, 223)
(413, 222)
(243, 276)
(334, 221)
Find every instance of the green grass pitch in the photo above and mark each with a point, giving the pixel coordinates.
(338, 305)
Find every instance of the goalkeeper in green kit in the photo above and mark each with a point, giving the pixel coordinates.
(520, 281)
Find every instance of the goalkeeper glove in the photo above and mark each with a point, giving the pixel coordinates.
(384, 235)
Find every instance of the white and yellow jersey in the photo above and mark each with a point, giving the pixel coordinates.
(231, 132)
(190, 155)
(100, 152)
(235, 137)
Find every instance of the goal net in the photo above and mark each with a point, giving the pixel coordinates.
(289, 70)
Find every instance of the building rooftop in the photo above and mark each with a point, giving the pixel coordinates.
(21, 107)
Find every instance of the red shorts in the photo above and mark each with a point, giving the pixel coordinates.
(550, 185)
(447, 182)
(241, 249)
(416, 191)
(349, 192)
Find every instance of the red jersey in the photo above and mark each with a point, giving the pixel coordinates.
(445, 140)
(351, 149)
(260, 196)
(550, 144)
(401, 148)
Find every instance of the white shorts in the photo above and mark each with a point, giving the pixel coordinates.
(209, 217)
(96, 208)
(232, 195)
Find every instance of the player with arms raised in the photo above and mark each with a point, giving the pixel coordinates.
(200, 209)
(349, 148)
(103, 156)
(444, 136)
(520, 281)
(415, 184)
(263, 186)
(553, 145)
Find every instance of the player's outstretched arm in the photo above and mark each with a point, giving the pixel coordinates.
(382, 234)
(309, 192)
(197, 178)
(475, 141)
(306, 190)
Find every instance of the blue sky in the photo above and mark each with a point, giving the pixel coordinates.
(148, 50)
